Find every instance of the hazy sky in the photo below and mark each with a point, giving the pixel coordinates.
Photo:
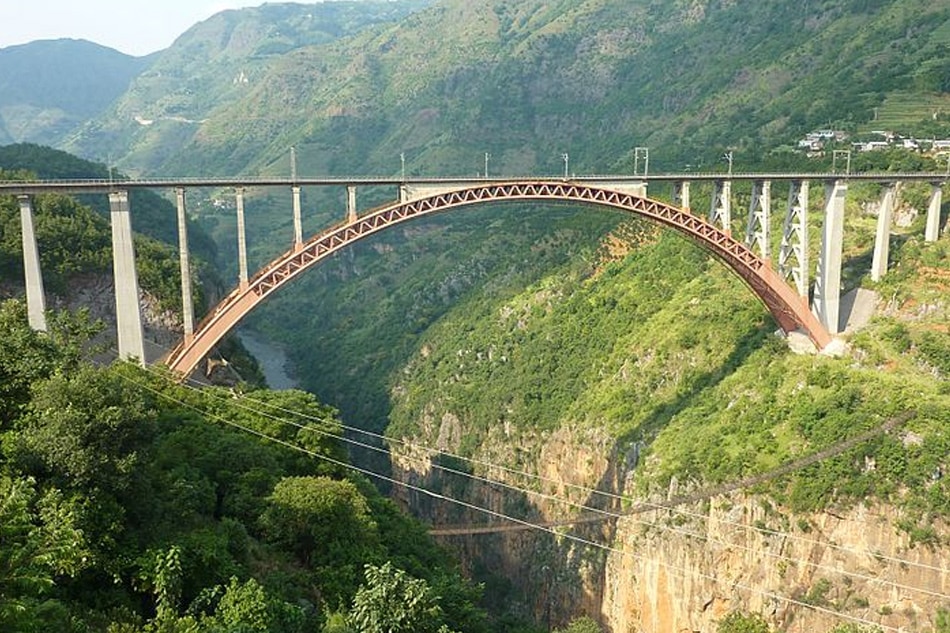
(135, 27)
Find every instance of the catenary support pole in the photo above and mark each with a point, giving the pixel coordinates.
(35, 295)
(187, 303)
(127, 309)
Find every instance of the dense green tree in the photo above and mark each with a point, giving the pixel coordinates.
(27, 356)
(392, 601)
(39, 541)
(328, 525)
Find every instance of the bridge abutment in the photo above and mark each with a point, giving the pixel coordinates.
(128, 312)
(35, 294)
(882, 240)
(827, 302)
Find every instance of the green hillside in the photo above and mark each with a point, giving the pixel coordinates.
(132, 503)
(49, 88)
(525, 81)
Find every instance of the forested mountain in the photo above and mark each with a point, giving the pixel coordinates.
(206, 76)
(524, 81)
(49, 87)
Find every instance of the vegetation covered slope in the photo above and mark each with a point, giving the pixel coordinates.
(526, 82)
(131, 503)
(49, 88)
(672, 357)
(205, 77)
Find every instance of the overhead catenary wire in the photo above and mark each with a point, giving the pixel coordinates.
(604, 513)
(684, 573)
(638, 505)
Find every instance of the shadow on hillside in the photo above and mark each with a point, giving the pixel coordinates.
(559, 588)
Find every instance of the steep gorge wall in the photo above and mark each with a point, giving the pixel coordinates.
(679, 569)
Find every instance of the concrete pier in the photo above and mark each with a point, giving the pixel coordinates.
(350, 203)
(720, 212)
(298, 221)
(242, 240)
(932, 232)
(35, 295)
(681, 194)
(758, 229)
(127, 309)
(827, 302)
(793, 252)
(882, 240)
(187, 303)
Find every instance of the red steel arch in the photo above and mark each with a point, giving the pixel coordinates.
(789, 310)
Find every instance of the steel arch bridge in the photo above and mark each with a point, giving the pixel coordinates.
(789, 309)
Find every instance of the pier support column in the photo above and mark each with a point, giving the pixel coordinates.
(681, 194)
(127, 309)
(720, 212)
(882, 242)
(298, 222)
(828, 282)
(242, 240)
(350, 203)
(35, 295)
(793, 253)
(758, 231)
(187, 303)
(933, 213)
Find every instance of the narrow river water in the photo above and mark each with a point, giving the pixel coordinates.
(272, 359)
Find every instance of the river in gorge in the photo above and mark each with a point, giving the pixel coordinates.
(271, 357)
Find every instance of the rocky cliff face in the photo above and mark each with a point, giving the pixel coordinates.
(672, 569)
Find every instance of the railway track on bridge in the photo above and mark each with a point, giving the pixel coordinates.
(104, 185)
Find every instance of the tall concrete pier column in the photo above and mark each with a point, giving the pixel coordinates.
(35, 295)
(298, 222)
(793, 253)
(882, 241)
(720, 212)
(758, 230)
(187, 303)
(350, 203)
(933, 213)
(127, 311)
(828, 282)
(681, 194)
(242, 240)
